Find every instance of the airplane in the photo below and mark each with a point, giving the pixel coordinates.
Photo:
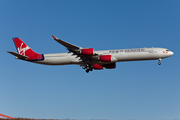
(87, 57)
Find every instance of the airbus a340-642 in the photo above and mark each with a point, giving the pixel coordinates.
(87, 57)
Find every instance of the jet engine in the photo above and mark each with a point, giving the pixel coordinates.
(87, 51)
(98, 67)
(105, 58)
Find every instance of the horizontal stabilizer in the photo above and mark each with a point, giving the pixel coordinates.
(66, 44)
(18, 55)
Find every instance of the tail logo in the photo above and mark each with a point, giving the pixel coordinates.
(23, 50)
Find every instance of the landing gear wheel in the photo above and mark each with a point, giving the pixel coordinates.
(91, 69)
(88, 67)
(159, 63)
(84, 67)
(87, 70)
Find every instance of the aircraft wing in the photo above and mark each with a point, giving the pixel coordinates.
(86, 54)
(18, 55)
(66, 44)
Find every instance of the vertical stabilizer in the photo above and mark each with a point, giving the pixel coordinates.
(25, 50)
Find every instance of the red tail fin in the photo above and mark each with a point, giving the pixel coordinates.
(25, 50)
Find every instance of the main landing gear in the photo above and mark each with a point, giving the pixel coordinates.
(87, 67)
(159, 63)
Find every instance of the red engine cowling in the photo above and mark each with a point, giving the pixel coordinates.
(88, 51)
(110, 66)
(98, 67)
(105, 58)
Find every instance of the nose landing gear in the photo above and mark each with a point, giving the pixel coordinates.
(159, 63)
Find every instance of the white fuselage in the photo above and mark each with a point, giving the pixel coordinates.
(117, 56)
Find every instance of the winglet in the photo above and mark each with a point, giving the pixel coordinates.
(54, 37)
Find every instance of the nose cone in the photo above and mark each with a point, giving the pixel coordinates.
(170, 53)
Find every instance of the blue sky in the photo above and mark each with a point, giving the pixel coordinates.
(134, 90)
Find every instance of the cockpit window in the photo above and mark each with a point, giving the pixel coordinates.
(167, 50)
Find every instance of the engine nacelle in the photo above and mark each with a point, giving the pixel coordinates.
(110, 66)
(87, 51)
(105, 58)
(98, 67)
